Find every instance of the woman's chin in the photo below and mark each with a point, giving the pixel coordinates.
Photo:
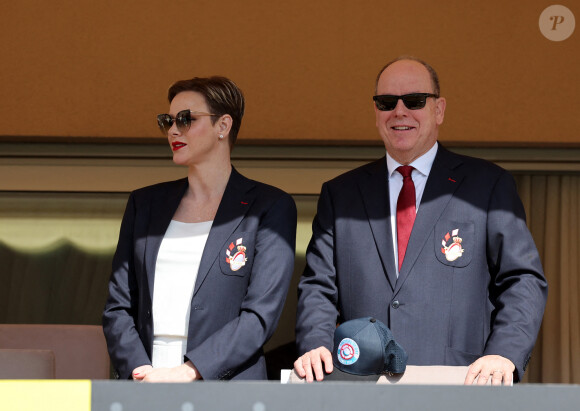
(180, 160)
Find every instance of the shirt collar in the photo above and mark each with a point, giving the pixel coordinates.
(421, 164)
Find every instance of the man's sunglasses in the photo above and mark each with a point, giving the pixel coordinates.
(413, 101)
(182, 120)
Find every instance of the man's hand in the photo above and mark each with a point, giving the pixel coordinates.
(498, 368)
(182, 373)
(313, 360)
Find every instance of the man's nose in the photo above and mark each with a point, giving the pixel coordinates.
(400, 108)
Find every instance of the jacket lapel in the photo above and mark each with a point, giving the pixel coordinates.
(375, 194)
(236, 202)
(162, 210)
(444, 178)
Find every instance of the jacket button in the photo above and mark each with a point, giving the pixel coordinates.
(148, 314)
(395, 304)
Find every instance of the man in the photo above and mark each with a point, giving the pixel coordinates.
(444, 258)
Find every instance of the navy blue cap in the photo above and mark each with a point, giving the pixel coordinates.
(364, 349)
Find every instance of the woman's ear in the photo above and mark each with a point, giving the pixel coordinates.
(224, 124)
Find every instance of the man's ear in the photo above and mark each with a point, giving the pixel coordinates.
(440, 110)
(377, 112)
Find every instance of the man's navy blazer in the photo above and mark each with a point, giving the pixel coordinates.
(233, 312)
(443, 311)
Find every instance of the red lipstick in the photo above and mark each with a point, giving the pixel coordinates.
(176, 145)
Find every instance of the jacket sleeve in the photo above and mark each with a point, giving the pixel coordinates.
(518, 287)
(121, 309)
(240, 340)
(317, 311)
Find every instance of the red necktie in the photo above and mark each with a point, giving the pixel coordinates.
(405, 211)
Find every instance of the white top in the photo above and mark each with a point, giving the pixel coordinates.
(175, 274)
(419, 175)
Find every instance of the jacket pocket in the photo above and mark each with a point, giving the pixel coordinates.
(237, 257)
(454, 242)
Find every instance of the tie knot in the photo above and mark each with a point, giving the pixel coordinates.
(405, 171)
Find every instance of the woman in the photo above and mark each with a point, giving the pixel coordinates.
(203, 264)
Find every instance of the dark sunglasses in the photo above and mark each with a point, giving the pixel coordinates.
(182, 120)
(413, 101)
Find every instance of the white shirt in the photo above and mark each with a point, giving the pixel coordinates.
(175, 274)
(419, 175)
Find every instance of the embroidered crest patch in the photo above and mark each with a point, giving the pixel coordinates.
(454, 250)
(238, 259)
(348, 351)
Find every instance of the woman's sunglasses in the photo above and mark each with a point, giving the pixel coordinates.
(182, 120)
(413, 101)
